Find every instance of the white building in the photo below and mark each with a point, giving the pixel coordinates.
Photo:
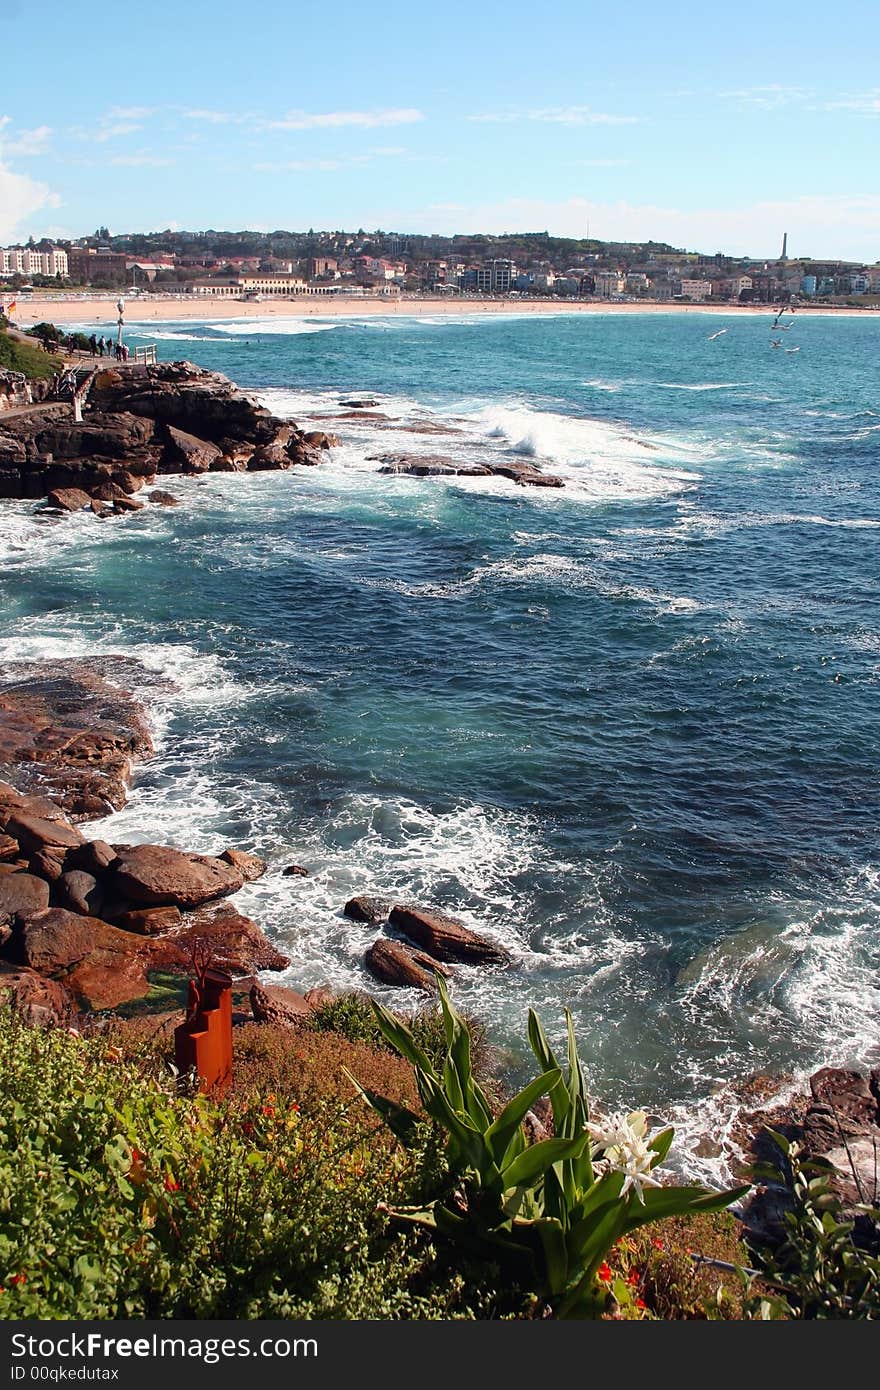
(694, 289)
(610, 283)
(44, 259)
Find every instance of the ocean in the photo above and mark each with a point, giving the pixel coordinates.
(628, 727)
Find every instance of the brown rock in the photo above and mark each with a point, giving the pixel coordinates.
(236, 943)
(149, 921)
(100, 509)
(367, 909)
(295, 871)
(106, 490)
(9, 848)
(186, 453)
(317, 439)
(22, 893)
(127, 482)
(127, 504)
(49, 863)
(164, 499)
(33, 833)
(250, 866)
(40, 1002)
(75, 731)
(394, 963)
(78, 891)
(102, 965)
(445, 938)
(527, 475)
(268, 457)
(227, 464)
(68, 499)
(158, 876)
(319, 996)
(95, 856)
(274, 1004)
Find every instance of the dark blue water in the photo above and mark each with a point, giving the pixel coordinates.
(629, 726)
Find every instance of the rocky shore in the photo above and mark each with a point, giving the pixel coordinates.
(138, 422)
(86, 925)
(90, 926)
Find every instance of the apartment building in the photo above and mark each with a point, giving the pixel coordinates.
(44, 259)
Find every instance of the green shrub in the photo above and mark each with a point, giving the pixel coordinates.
(817, 1271)
(124, 1196)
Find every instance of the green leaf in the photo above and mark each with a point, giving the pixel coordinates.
(499, 1134)
(661, 1143)
(402, 1122)
(401, 1039)
(531, 1165)
(553, 1249)
(660, 1202)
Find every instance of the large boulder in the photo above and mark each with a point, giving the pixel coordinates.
(100, 964)
(40, 1002)
(22, 893)
(275, 1004)
(395, 963)
(444, 938)
(68, 499)
(186, 453)
(268, 457)
(35, 834)
(157, 876)
(79, 892)
(234, 943)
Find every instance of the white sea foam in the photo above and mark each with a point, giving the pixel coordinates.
(280, 327)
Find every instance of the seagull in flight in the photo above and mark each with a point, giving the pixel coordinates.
(713, 336)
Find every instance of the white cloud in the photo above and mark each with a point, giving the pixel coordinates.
(863, 103)
(138, 161)
(20, 198)
(769, 97)
(845, 227)
(27, 143)
(365, 120)
(213, 117)
(108, 129)
(555, 115)
(131, 113)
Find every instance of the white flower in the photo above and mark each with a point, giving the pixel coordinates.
(624, 1143)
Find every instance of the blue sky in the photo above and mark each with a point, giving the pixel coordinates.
(713, 129)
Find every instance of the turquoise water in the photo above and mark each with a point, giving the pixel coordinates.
(629, 727)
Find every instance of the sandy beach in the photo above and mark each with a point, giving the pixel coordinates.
(101, 309)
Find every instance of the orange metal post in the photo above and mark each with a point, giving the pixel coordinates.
(204, 1041)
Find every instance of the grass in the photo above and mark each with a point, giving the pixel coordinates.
(33, 362)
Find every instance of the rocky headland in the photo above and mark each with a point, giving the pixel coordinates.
(140, 421)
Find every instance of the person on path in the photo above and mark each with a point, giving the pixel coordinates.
(93, 345)
(101, 346)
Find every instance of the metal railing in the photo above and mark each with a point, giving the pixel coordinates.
(147, 354)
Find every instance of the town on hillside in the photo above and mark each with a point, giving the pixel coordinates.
(255, 265)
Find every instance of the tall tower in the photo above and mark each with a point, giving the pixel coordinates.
(784, 256)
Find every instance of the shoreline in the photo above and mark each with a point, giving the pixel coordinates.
(152, 308)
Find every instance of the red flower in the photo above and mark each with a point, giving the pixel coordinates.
(633, 1278)
(247, 1128)
(269, 1111)
(657, 1244)
(640, 1303)
(171, 1184)
(18, 1279)
(604, 1272)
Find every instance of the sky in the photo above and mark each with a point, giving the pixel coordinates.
(710, 129)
